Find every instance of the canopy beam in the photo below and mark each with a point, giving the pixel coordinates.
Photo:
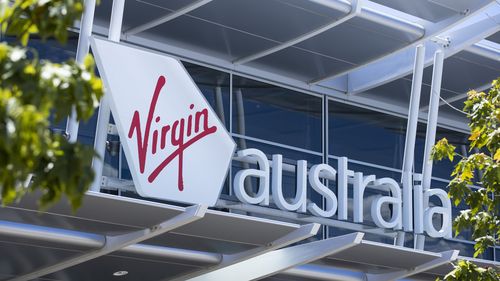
(355, 10)
(463, 30)
(280, 260)
(114, 243)
(446, 257)
(295, 236)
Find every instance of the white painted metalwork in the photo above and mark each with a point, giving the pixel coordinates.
(446, 257)
(378, 13)
(81, 52)
(279, 260)
(304, 232)
(184, 10)
(83, 239)
(411, 133)
(430, 139)
(354, 11)
(486, 49)
(397, 64)
(322, 272)
(430, 136)
(114, 243)
(101, 133)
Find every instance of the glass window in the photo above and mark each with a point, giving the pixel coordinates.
(214, 85)
(276, 114)
(441, 169)
(365, 135)
(54, 51)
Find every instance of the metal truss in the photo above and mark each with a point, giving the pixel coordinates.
(182, 11)
(462, 31)
(279, 260)
(446, 257)
(354, 11)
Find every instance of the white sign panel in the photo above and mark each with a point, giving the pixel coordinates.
(176, 147)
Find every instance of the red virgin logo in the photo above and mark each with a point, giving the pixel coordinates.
(180, 134)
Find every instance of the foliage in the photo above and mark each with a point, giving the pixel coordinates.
(33, 92)
(479, 169)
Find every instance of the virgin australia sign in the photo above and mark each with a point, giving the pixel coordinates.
(176, 147)
(178, 150)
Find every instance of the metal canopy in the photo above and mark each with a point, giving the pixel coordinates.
(47, 240)
(106, 214)
(320, 45)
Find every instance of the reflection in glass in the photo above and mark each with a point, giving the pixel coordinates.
(366, 135)
(276, 114)
(214, 85)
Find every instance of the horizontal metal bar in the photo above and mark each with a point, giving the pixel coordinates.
(371, 11)
(85, 239)
(116, 242)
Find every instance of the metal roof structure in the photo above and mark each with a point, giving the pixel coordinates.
(360, 52)
(42, 243)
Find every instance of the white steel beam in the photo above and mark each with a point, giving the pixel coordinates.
(487, 49)
(446, 257)
(101, 133)
(182, 11)
(323, 272)
(380, 14)
(354, 11)
(299, 234)
(411, 133)
(81, 52)
(42, 235)
(279, 260)
(463, 30)
(114, 243)
(430, 135)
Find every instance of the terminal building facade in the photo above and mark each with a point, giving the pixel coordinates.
(343, 83)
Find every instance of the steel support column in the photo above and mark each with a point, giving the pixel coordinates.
(101, 133)
(409, 151)
(430, 135)
(114, 243)
(355, 10)
(82, 50)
